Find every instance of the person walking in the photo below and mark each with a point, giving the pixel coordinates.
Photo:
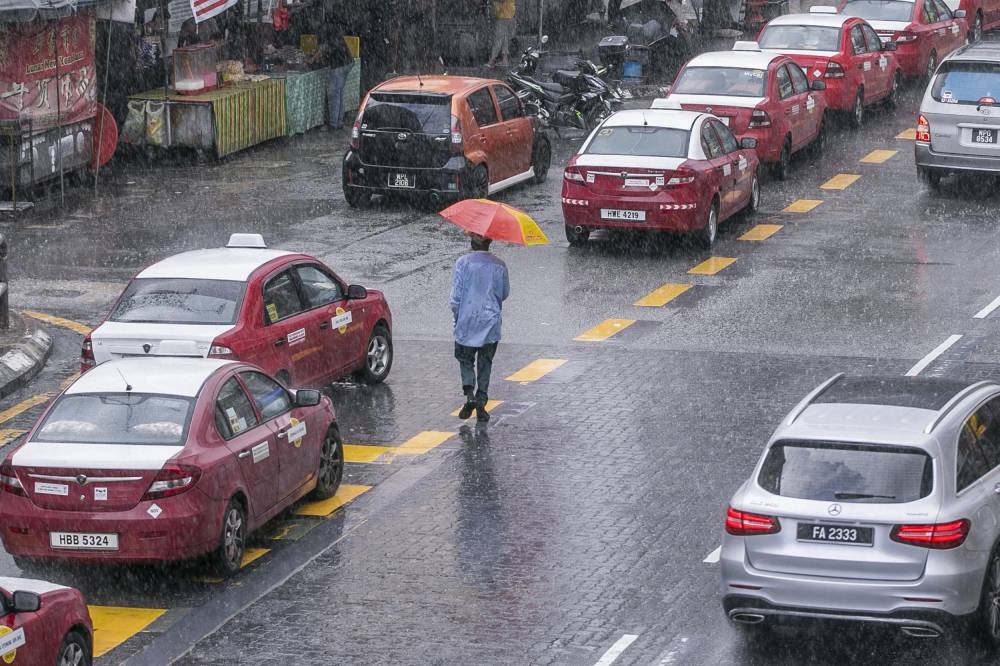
(479, 286)
(503, 31)
(333, 53)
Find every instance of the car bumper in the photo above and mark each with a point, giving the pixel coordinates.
(187, 526)
(588, 215)
(910, 62)
(445, 181)
(951, 162)
(839, 94)
(768, 143)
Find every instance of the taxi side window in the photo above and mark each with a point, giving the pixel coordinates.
(281, 298)
(799, 81)
(729, 143)
(233, 412)
(929, 12)
(709, 142)
(481, 104)
(271, 397)
(874, 41)
(944, 12)
(318, 287)
(858, 40)
(785, 89)
(510, 106)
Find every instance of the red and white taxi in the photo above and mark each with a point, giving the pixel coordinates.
(659, 169)
(44, 623)
(924, 30)
(162, 459)
(844, 52)
(765, 96)
(981, 15)
(285, 311)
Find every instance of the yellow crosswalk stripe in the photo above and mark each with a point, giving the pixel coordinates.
(908, 134)
(536, 370)
(604, 330)
(82, 329)
(802, 205)
(878, 156)
(425, 441)
(761, 232)
(840, 182)
(357, 453)
(660, 297)
(346, 494)
(113, 625)
(712, 265)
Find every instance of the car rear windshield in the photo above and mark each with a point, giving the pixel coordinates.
(729, 81)
(831, 471)
(179, 301)
(800, 38)
(643, 141)
(117, 418)
(880, 10)
(966, 82)
(396, 112)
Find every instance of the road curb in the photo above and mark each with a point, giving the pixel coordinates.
(25, 356)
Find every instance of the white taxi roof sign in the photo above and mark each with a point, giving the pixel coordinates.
(666, 103)
(746, 46)
(823, 9)
(246, 240)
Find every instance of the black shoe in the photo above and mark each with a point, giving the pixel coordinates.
(482, 415)
(466, 410)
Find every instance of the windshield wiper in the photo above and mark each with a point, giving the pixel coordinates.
(850, 496)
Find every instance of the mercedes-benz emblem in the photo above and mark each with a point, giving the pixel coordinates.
(81, 479)
(833, 509)
(146, 348)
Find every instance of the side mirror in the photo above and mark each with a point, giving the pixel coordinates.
(889, 46)
(26, 602)
(748, 143)
(817, 85)
(356, 292)
(958, 13)
(307, 398)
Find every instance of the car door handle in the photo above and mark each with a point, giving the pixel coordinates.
(244, 454)
(482, 139)
(996, 489)
(324, 325)
(281, 434)
(279, 342)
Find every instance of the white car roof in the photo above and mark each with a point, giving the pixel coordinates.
(223, 263)
(155, 374)
(741, 59)
(667, 118)
(828, 20)
(12, 584)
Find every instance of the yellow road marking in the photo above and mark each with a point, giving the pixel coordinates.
(23, 406)
(251, 554)
(281, 531)
(660, 297)
(69, 380)
(908, 134)
(83, 329)
(878, 156)
(761, 232)
(423, 442)
(113, 625)
(604, 330)
(802, 205)
(8, 435)
(345, 495)
(357, 453)
(536, 370)
(712, 265)
(839, 182)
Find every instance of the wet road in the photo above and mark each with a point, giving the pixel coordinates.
(581, 526)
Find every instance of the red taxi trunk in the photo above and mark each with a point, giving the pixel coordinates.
(68, 489)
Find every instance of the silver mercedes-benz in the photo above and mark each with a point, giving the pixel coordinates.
(876, 500)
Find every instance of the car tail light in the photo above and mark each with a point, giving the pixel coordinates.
(939, 536)
(759, 118)
(173, 479)
(9, 480)
(574, 174)
(742, 523)
(457, 140)
(904, 37)
(834, 70)
(681, 177)
(987, 100)
(923, 129)
(356, 133)
(87, 360)
(221, 351)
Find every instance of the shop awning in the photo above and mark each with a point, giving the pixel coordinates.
(29, 10)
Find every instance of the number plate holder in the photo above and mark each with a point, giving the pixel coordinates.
(626, 215)
(402, 181)
(850, 535)
(83, 541)
(985, 137)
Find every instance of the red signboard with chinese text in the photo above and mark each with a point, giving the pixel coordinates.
(34, 85)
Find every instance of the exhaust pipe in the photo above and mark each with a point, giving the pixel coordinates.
(921, 632)
(747, 618)
(579, 229)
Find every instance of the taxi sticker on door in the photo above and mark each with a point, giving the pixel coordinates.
(10, 640)
(868, 65)
(742, 164)
(297, 336)
(272, 312)
(954, 28)
(795, 109)
(296, 432)
(342, 319)
(727, 169)
(810, 103)
(260, 452)
(883, 62)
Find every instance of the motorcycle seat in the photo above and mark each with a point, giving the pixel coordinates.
(566, 77)
(551, 87)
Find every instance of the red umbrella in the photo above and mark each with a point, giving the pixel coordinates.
(496, 221)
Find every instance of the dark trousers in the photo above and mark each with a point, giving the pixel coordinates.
(475, 365)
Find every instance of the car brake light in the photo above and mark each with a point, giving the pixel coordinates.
(759, 118)
(457, 140)
(173, 479)
(9, 480)
(573, 174)
(356, 133)
(742, 523)
(834, 70)
(87, 360)
(904, 37)
(939, 536)
(987, 100)
(221, 351)
(680, 178)
(923, 129)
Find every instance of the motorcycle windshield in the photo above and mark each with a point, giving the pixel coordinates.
(406, 130)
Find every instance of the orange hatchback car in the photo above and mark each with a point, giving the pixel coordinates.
(443, 138)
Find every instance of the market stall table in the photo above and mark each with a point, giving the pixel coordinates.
(305, 98)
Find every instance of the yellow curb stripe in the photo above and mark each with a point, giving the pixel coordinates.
(712, 265)
(23, 406)
(82, 329)
(761, 232)
(249, 555)
(840, 182)
(802, 205)
(113, 625)
(536, 370)
(660, 297)
(604, 330)
(878, 156)
(357, 453)
(425, 441)
(346, 494)
(8, 435)
(908, 134)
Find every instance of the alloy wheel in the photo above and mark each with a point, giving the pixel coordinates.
(72, 655)
(378, 354)
(858, 112)
(992, 597)
(331, 465)
(931, 65)
(234, 536)
(977, 28)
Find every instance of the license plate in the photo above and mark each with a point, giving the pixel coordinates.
(988, 136)
(856, 536)
(614, 214)
(402, 180)
(83, 541)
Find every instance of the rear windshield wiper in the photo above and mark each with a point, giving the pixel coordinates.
(850, 496)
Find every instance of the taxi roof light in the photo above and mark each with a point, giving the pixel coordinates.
(746, 46)
(823, 9)
(665, 103)
(246, 240)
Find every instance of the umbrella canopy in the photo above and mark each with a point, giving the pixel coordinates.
(496, 221)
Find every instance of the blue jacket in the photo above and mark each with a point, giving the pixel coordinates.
(479, 287)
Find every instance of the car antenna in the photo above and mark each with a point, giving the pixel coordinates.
(420, 80)
(128, 387)
(645, 123)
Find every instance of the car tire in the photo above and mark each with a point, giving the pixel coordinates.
(331, 465)
(753, 205)
(74, 650)
(357, 197)
(857, 118)
(705, 237)
(378, 356)
(976, 33)
(477, 185)
(929, 177)
(577, 238)
(818, 146)
(987, 619)
(892, 99)
(931, 66)
(595, 116)
(541, 158)
(780, 168)
(227, 558)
